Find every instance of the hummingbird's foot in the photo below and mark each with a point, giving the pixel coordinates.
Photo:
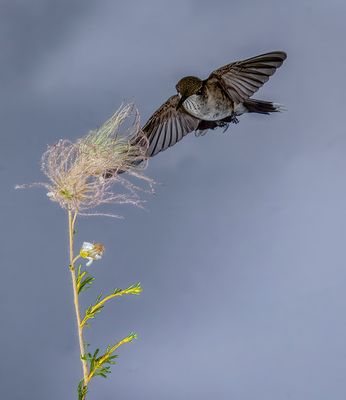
(234, 118)
(223, 124)
(226, 127)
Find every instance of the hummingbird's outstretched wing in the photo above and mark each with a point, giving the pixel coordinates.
(241, 79)
(168, 125)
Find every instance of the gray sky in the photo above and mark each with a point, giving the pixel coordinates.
(241, 252)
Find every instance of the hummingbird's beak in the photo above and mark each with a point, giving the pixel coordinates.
(181, 101)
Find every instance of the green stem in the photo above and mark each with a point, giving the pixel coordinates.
(71, 224)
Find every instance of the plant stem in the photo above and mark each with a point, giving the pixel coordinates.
(71, 224)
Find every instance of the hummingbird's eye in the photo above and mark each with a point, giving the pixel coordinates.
(199, 92)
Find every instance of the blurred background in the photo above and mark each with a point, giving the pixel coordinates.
(241, 252)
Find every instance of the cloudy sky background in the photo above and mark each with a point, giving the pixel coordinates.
(241, 252)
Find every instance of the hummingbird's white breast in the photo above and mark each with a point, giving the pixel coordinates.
(209, 106)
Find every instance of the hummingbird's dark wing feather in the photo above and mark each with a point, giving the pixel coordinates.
(168, 125)
(241, 79)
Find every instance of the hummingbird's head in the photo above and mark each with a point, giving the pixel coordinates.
(188, 86)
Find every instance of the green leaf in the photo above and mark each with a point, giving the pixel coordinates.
(82, 390)
(84, 280)
(94, 309)
(101, 366)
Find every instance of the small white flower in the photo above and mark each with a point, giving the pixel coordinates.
(91, 251)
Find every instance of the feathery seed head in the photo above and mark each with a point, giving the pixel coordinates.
(79, 172)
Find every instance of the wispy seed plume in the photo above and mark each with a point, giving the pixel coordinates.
(90, 172)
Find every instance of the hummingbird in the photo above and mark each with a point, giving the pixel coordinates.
(202, 104)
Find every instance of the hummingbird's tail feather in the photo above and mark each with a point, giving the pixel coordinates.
(262, 107)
